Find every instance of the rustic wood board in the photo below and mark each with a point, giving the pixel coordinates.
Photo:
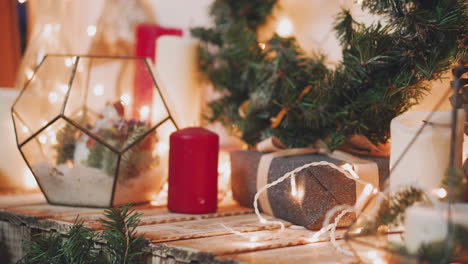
(158, 215)
(205, 228)
(248, 242)
(322, 252)
(10, 200)
(33, 222)
(177, 238)
(15, 235)
(44, 210)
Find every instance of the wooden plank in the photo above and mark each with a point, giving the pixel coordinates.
(205, 228)
(11, 241)
(247, 242)
(15, 199)
(37, 216)
(34, 222)
(44, 210)
(159, 215)
(232, 235)
(322, 252)
(163, 253)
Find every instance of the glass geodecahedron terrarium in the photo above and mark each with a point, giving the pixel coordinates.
(92, 130)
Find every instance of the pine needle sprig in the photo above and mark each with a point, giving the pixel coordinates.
(77, 246)
(123, 243)
(45, 249)
(117, 244)
(80, 245)
(392, 209)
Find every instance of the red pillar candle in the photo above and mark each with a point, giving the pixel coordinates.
(193, 171)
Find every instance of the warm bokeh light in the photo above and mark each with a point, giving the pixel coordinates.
(63, 88)
(68, 62)
(91, 30)
(297, 192)
(144, 112)
(98, 90)
(126, 99)
(440, 193)
(285, 27)
(29, 181)
(53, 97)
(24, 129)
(52, 137)
(159, 199)
(375, 257)
(43, 139)
(224, 176)
(29, 73)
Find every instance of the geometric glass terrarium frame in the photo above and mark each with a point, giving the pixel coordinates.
(382, 241)
(89, 128)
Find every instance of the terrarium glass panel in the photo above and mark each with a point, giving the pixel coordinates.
(43, 97)
(67, 179)
(140, 162)
(98, 142)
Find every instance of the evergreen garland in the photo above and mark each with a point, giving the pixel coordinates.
(283, 93)
(117, 244)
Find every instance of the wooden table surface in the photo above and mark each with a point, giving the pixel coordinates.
(232, 235)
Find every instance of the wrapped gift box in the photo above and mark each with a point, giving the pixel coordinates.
(319, 189)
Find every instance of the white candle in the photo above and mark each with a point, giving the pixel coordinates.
(424, 224)
(176, 66)
(14, 173)
(427, 161)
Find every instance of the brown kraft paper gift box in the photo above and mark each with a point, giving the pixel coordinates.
(322, 187)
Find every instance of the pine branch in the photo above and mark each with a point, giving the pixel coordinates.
(75, 247)
(44, 249)
(122, 241)
(383, 73)
(391, 210)
(80, 245)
